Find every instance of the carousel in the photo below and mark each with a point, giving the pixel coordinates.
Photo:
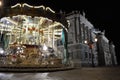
(29, 35)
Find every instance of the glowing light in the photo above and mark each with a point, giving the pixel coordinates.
(43, 7)
(22, 56)
(42, 20)
(1, 51)
(96, 39)
(9, 20)
(58, 30)
(0, 3)
(25, 4)
(44, 47)
(85, 42)
(18, 47)
(48, 8)
(18, 4)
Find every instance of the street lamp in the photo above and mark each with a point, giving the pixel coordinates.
(96, 39)
(85, 42)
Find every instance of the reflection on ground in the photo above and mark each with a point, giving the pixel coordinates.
(26, 76)
(96, 73)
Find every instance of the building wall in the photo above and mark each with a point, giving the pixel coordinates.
(80, 30)
(112, 52)
(104, 56)
(81, 53)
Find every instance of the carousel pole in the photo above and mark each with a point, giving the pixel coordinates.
(64, 41)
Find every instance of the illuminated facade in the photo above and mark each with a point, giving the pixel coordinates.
(106, 51)
(29, 35)
(80, 37)
(85, 46)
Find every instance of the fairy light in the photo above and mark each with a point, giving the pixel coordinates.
(48, 8)
(18, 4)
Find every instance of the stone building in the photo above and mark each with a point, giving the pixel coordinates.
(104, 56)
(81, 37)
(112, 52)
(86, 45)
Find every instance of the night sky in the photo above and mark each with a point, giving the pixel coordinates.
(103, 15)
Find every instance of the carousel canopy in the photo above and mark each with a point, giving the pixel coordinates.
(34, 11)
(28, 24)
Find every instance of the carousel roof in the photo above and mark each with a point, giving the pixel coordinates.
(34, 11)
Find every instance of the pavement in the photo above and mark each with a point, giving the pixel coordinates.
(99, 73)
(96, 73)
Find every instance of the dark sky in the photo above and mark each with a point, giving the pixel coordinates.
(103, 15)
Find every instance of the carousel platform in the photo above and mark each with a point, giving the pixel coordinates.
(34, 69)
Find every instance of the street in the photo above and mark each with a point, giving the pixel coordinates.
(104, 73)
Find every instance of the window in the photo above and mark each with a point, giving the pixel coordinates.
(86, 55)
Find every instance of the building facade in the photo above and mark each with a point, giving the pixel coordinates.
(103, 50)
(112, 52)
(86, 45)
